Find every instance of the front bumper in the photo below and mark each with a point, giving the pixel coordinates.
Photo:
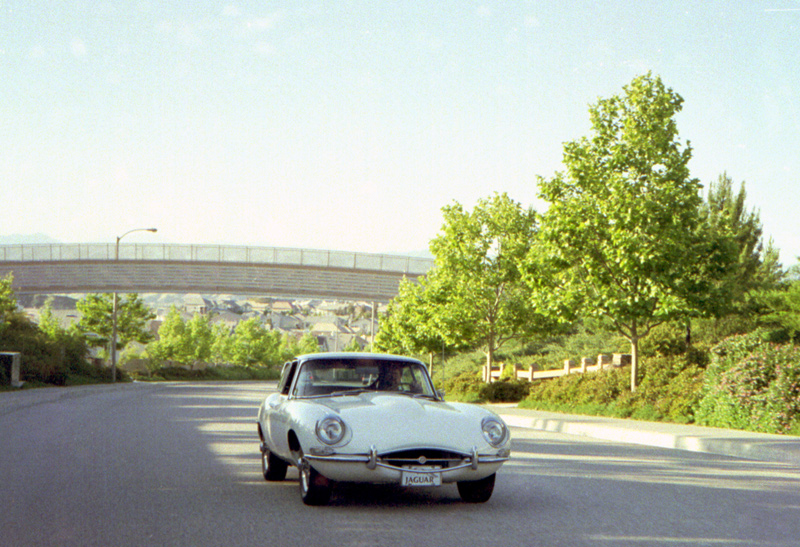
(373, 468)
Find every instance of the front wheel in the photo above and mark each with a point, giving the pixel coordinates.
(314, 488)
(272, 467)
(477, 491)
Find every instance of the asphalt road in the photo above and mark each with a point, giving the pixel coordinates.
(178, 464)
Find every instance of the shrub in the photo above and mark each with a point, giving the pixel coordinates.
(669, 390)
(752, 384)
(665, 339)
(671, 386)
(504, 391)
(466, 386)
(579, 390)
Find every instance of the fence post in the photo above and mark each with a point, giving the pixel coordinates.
(621, 359)
(603, 360)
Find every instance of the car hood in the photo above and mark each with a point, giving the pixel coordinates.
(395, 422)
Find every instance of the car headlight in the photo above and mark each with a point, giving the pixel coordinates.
(331, 430)
(494, 431)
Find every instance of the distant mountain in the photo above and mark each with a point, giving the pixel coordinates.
(26, 239)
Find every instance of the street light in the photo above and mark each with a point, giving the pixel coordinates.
(114, 327)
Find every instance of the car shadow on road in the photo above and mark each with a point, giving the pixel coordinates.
(361, 495)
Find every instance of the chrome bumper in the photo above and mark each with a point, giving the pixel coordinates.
(373, 461)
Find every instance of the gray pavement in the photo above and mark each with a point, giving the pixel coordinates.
(725, 442)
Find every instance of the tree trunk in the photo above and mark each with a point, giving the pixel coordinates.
(634, 361)
(490, 355)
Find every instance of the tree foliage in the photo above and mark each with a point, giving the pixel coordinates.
(97, 318)
(292, 347)
(222, 346)
(50, 353)
(174, 342)
(254, 345)
(752, 384)
(621, 232)
(474, 296)
(735, 259)
(8, 301)
(197, 341)
(411, 323)
(780, 306)
(48, 323)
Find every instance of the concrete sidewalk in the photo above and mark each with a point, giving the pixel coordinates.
(726, 442)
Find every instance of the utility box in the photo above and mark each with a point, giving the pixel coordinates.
(9, 366)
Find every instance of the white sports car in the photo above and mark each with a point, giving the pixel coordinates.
(360, 417)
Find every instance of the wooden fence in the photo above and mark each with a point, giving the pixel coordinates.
(604, 361)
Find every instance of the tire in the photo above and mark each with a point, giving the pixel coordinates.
(272, 467)
(477, 491)
(314, 488)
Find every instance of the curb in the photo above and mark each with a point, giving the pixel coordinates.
(724, 442)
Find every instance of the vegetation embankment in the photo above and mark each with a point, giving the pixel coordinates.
(744, 381)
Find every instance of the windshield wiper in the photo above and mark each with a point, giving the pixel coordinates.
(411, 394)
(357, 391)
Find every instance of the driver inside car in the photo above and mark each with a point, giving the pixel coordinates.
(391, 379)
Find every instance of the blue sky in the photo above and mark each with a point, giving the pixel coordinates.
(349, 124)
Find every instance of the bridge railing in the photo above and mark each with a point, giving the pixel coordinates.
(215, 253)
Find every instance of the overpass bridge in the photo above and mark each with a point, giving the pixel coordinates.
(207, 269)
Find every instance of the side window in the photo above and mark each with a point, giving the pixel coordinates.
(286, 377)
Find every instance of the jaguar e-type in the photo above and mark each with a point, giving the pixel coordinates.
(373, 418)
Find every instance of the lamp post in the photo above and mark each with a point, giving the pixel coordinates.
(114, 314)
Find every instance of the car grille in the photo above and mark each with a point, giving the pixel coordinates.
(423, 456)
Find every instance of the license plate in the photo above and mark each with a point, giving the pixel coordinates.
(410, 477)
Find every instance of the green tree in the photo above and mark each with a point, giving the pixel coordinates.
(254, 345)
(222, 344)
(50, 353)
(48, 323)
(308, 344)
(8, 300)
(132, 318)
(476, 295)
(735, 259)
(621, 231)
(184, 342)
(780, 306)
(69, 344)
(411, 323)
(292, 347)
(201, 338)
(173, 344)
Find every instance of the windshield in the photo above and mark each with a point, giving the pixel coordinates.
(350, 376)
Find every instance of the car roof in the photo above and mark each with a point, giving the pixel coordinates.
(356, 355)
